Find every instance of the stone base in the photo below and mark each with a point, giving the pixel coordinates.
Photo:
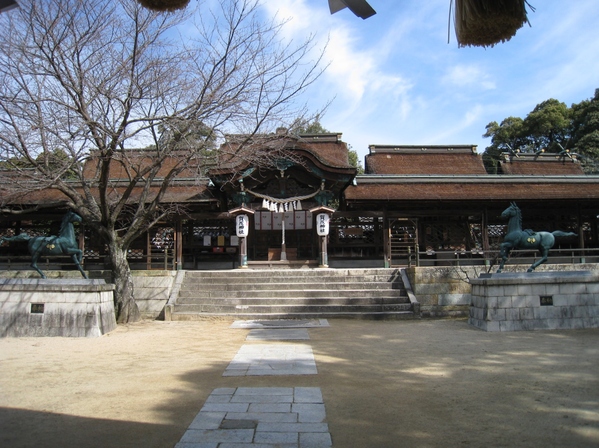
(535, 301)
(49, 307)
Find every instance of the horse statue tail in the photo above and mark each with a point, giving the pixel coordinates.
(559, 233)
(12, 239)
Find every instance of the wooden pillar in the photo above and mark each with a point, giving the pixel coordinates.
(243, 252)
(324, 258)
(386, 240)
(148, 251)
(178, 255)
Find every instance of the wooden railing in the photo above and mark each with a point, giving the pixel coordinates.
(492, 259)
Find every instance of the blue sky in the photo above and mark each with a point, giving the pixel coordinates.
(395, 79)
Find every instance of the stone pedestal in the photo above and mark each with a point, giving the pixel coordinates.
(535, 301)
(49, 307)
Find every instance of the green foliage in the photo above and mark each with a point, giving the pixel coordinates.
(189, 136)
(505, 137)
(310, 127)
(585, 127)
(548, 125)
(551, 126)
(14, 163)
(57, 163)
(186, 134)
(354, 160)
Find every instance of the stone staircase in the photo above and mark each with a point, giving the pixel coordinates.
(292, 294)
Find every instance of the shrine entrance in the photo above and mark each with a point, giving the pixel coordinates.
(282, 197)
(266, 241)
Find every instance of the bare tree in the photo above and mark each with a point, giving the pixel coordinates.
(93, 79)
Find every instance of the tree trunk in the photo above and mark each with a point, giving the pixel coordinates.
(124, 301)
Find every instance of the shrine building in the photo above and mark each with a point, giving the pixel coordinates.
(429, 205)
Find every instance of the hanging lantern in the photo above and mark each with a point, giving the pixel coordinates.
(242, 225)
(322, 224)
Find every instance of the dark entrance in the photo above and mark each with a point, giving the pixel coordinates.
(266, 240)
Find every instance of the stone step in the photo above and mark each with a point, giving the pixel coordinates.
(277, 277)
(313, 293)
(288, 293)
(296, 301)
(248, 286)
(288, 273)
(384, 279)
(383, 315)
(289, 309)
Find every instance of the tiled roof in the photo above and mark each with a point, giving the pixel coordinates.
(124, 165)
(179, 192)
(424, 160)
(464, 188)
(546, 164)
(326, 149)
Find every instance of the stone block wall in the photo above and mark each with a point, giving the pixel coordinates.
(536, 301)
(446, 291)
(152, 290)
(442, 291)
(39, 307)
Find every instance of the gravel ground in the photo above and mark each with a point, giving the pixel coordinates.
(428, 383)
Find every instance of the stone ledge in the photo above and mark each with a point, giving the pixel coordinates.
(66, 285)
(527, 278)
(40, 307)
(512, 301)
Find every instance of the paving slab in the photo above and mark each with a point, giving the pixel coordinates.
(282, 334)
(302, 424)
(280, 323)
(272, 359)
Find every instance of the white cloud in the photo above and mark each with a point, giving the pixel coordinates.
(469, 75)
(300, 20)
(352, 73)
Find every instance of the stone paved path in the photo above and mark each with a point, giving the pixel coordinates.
(283, 323)
(272, 359)
(278, 335)
(261, 417)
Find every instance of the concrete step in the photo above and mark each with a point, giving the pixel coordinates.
(289, 309)
(287, 273)
(297, 275)
(248, 285)
(185, 294)
(384, 315)
(324, 293)
(298, 301)
(384, 279)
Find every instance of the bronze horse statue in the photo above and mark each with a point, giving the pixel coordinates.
(63, 244)
(516, 238)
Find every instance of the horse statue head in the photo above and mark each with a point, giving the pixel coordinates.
(512, 210)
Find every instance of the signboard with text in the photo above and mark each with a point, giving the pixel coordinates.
(242, 225)
(322, 224)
